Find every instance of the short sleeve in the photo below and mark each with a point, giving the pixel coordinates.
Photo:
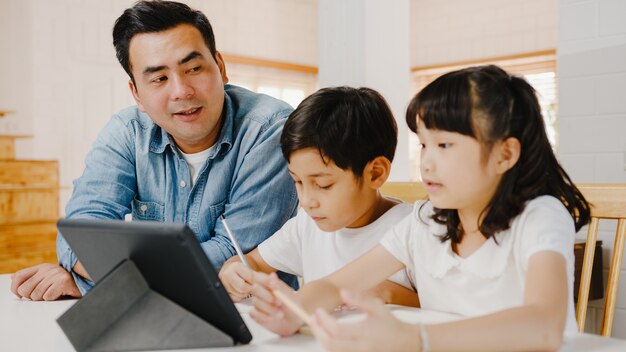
(283, 250)
(545, 225)
(399, 241)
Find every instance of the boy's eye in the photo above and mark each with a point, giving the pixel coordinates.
(324, 186)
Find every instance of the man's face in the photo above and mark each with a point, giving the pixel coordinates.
(179, 84)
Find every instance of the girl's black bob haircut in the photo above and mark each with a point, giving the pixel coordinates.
(488, 104)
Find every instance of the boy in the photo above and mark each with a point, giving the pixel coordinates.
(339, 144)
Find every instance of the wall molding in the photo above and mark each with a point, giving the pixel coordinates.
(534, 56)
(237, 59)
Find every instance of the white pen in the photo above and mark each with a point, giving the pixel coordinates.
(234, 242)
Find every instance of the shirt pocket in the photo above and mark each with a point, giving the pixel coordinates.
(216, 210)
(151, 211)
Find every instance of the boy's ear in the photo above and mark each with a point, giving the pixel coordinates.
(508, 154)
(377, 171)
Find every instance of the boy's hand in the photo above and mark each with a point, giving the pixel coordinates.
(237, 279)
(393, 293)
(268, 310)
(379, 331)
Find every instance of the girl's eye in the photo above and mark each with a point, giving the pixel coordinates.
(445, 145)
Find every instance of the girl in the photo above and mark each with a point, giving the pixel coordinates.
(494, 242)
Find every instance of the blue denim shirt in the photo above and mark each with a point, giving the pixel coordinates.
(135, 166)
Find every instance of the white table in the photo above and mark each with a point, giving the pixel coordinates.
(31, 326)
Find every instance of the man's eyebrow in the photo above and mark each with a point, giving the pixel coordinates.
(192, 55)
(152, 69)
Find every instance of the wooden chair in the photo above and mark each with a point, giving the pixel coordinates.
(407, 192)
(607, 202)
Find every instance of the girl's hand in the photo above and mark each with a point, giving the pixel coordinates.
(237, 280)
(380, 331)
(268, 310)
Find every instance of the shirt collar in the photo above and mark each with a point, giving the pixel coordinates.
(160, 139)
(489, 261)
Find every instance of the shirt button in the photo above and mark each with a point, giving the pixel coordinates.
(143, 208)
(183, 184)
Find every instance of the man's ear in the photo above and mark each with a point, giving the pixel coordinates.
(222, 66)
(133, 91)
(508, 154)
(377, 171)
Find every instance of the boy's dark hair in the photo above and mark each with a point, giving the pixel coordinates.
(490, 105)
(156, 16)
(348, 126)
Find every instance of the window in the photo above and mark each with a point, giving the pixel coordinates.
(539, 69)
(291, 83)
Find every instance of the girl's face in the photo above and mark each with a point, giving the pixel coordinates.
(457, 170)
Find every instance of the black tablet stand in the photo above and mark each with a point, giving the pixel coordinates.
(123, 313)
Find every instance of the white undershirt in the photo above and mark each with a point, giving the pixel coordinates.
(195, 162)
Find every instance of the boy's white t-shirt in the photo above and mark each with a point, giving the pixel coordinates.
(492, 278)
(302, 249)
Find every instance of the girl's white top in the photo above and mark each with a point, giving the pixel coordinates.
(492, 278)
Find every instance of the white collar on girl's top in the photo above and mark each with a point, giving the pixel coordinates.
(488, 261)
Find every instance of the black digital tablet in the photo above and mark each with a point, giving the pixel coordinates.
(168, 256)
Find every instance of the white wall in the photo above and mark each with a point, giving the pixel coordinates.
(279, 30)
(16, 61)
(365, 43)
(452, 31)
(592, 110)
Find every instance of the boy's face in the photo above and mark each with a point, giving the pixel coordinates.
(333, 198)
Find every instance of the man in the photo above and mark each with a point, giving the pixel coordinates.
(191, 150)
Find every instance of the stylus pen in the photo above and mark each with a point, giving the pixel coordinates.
(234, 242)
(293, 306)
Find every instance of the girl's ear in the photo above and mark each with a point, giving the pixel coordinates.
(508, 154)
(377, 171)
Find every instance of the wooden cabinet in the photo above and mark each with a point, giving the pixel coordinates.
(29, 209)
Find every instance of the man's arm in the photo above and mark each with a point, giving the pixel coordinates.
(261, 200)
(104, 191)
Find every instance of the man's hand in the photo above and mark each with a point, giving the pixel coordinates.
(45, 281)
(237, 280)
